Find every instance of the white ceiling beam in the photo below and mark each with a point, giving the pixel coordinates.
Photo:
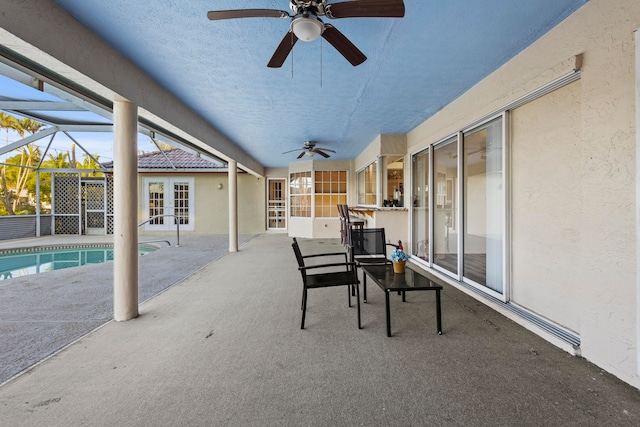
(85, 128)
(39, 105)
(76, 100)
(19, 76)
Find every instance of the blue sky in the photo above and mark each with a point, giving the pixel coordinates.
(96, 143)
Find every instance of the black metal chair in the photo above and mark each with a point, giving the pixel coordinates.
(340, 274)
(368, 246)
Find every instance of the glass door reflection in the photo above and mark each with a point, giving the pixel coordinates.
(445, 229)
(420, 204)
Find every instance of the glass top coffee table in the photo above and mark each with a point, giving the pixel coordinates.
(411, 280)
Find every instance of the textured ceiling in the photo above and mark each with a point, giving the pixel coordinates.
(415, 66)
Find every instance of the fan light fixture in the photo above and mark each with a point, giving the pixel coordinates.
(307, 29)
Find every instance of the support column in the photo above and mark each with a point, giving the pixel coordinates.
(636, 34)
(37, 202)
(125, 199)
(233, 206)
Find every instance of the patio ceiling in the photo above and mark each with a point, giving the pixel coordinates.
(416, 65)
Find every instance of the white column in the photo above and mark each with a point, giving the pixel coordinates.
(637, 42)
(233, 206)
(125, 198)
(37, 202)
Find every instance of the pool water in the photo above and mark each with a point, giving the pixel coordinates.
(34, 261)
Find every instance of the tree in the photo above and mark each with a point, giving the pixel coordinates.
(57, 161)
(88, 162)
(8, 122)
(14, 180)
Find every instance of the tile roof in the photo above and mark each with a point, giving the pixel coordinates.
(180, 159)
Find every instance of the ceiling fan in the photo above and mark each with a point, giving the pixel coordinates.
(309, 149)
(307, 26)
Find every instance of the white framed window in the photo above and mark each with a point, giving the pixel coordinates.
(330, 191)
(300, 194)
(381, 182)
(367, 184)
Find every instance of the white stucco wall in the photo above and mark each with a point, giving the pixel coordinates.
(547, 215)
(212, 204)
(573, 183)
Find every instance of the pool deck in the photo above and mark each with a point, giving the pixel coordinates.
(57, 240)
(224, 348)
(43, 313)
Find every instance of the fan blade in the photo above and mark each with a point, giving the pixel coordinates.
(301, 154)
(343, 45)
(366, 9)
(291, 151)
(282, 51)
(326, 149)
(247, 13)
(322, 153)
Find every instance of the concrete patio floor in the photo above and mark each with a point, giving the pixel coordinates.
(224, 347)
(42, 313)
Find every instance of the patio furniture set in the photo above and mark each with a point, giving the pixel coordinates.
(365, 248)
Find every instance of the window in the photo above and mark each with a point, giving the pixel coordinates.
(393, 180)
(330, 190)
(389, 172)
(367, 185)
(300, 190)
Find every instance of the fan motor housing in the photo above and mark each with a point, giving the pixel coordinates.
(302, 6)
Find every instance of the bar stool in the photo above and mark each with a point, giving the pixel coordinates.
(348, 222)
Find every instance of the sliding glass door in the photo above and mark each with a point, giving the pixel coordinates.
(445, 215)
(421, 167)
(484, 206)
(459, 226)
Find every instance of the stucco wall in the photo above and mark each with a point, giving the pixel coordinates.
(573, 183)
(212, 204)
(547, 215)
(214, 209)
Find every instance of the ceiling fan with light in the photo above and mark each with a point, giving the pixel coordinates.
(307, 26)
(309, 149)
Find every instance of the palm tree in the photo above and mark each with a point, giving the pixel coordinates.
(28, 125)
(58, 161)
(7, 122)
(88, 162)
(29, 156)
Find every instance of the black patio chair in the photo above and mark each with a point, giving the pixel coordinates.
(368, 246)
(339, 274)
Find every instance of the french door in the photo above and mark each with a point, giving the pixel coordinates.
(169, 201)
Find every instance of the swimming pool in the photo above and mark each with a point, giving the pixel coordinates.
(26, 261)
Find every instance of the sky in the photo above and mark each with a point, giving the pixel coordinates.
(96, 143)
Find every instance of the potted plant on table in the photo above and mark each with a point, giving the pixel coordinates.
(399, 259)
